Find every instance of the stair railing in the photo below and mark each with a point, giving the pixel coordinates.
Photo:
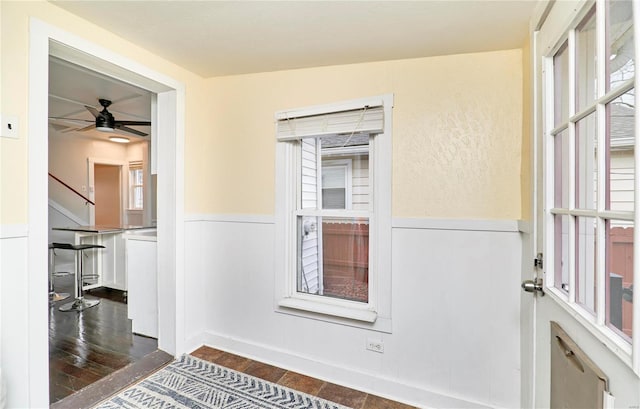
(87, 200)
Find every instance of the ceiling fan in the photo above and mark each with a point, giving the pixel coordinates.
(105, 122)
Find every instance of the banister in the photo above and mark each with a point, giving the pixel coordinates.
(72, 189)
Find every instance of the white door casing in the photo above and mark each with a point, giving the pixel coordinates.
(48, 40)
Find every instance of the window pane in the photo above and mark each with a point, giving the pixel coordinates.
(561, 85)
(333, 258)
(621, 56)
(586, 163)
(620, 159)
(561, 170)
(341, 168)
(586, 262)
(620, 276)
(345, 164)
(586, 61)
(138, 197)
(561, 242)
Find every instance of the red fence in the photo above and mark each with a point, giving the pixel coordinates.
(621, 263)
(345, 248)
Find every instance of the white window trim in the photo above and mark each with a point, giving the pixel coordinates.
(376, 314)
(627, 353)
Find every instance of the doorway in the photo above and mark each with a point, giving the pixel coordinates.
(46, 40)
(108, 194)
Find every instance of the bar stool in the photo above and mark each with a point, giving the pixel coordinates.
(53, 295)
(80, 303)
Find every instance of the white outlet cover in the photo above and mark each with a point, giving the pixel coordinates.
(10, 126)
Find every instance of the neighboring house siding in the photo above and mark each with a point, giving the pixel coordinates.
(360, 184)
(309, 276)
(622, 180)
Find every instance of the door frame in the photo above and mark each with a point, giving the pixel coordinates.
(46, 39)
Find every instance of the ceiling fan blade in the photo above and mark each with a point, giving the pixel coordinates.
(138, 123)
(93, 111)
(60, 118)
(86, 128)
(130, 130)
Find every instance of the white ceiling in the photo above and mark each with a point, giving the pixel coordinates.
(72, 87)
(213, 38)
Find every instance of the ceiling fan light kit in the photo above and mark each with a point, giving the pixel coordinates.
(119, 139)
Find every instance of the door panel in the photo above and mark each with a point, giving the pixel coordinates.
(612, 357)
(107, 195)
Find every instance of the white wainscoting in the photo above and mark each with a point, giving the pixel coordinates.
(14, 314)
(455, 340)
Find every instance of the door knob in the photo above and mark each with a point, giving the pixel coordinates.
(533, 286)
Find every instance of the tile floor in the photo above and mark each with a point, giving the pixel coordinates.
(312, 386)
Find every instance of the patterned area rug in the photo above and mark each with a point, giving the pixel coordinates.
(190, 382)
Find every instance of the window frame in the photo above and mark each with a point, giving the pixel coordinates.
(376, 314)
(132, 167)
(627, 352)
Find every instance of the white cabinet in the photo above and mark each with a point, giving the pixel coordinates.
(108, 263)
(142, 282)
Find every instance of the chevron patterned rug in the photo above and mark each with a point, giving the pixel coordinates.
(189, 382)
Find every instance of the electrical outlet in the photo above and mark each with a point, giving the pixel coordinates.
(9, 126)
(375, 345)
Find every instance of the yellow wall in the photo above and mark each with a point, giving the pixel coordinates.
(457, 133)
(457, 125)
(14, 79)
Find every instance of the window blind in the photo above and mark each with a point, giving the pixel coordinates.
(366, 119)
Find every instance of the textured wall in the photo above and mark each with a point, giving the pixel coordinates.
(457, 133)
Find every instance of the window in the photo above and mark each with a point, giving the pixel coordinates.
(334, 211)
(591, 166)
(136, 186)
(336, 183)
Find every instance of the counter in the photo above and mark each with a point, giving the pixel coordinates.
(108, 263)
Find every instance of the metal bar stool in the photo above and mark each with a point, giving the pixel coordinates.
(53, 295)
(80, 303)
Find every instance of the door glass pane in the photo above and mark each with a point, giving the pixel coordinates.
(561, 85)
(619, 276)
(586, 262)
(621, 53)
(586, 163)
(586, 61)
(333, 257)
(561, 250)
(620, 156)
(561, 170)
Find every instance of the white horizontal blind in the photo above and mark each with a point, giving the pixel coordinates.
(366, 119)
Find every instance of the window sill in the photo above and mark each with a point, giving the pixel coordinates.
(329, 309)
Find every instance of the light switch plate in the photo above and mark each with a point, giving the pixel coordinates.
(10, 126)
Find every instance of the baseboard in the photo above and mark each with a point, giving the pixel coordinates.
(410, 394)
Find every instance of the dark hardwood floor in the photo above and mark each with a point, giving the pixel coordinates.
(87, 346)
